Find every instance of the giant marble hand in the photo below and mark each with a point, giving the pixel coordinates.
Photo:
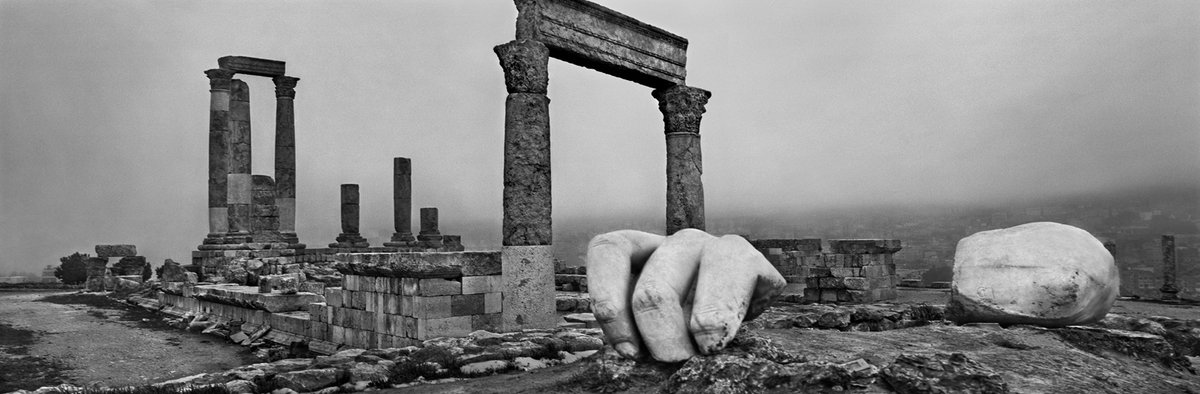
(676, 296)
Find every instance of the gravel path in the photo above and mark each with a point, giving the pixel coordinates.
(94, 340)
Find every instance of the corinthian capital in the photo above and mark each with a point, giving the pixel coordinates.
(682, 107)
(218, 79)
(285, 87)
(524, 63)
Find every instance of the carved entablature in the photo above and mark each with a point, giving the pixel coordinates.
(252, 66)
(589, 35)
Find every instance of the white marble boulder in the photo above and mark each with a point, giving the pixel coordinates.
(1042, 273)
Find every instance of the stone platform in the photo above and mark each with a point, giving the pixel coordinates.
(247, 297)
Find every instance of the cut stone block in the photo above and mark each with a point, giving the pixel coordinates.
(809, 245)
(116, 250)
(432, 307)
(489, 322)
(529, 287)
(466, 305)
(482, 284)
(252, 66)
(437, 287)
(493, 302)
(456, 326)
(249, 297)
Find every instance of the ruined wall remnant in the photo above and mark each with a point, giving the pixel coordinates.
(852, 270)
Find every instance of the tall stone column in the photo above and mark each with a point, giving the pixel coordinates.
(350, 238)
(240, 184)
(285, 157)
(402, 203)
(682, 108)
(1170, 292)
(526, 256)
(218, 153)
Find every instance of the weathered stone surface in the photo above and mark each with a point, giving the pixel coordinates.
(529, 287)
(527, 194)
(350, 208)
(172, 272)
(525, 66)
(420, 265)
(592, 36)
(129, 265)
(429, 221)
(682, 108)
(308, 380)
(1170, 292)
(116, 250)
(252, 66)
(941, 373)
(1042, 273)
(402, 198)
(864, 246)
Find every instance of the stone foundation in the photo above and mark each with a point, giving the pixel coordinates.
(853, 270)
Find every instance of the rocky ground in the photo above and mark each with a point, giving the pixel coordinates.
(905, 347)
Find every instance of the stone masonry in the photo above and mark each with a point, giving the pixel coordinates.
(852, 270)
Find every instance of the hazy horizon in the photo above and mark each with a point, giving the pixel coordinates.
(817, 106)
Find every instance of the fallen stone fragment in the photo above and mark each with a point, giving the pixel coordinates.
(527, 363)
(941, 373)
(241, 386)
(307, 380)
(483, 367)
(1043, 273)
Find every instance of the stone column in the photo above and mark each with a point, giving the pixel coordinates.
(526, 257)
(402, 203)
(682, 108)
(350, 238)
(526, 144)
(264, 218)
(240, 185)
(1169, 290)
(429, 237)
(285, 157)
(218, 153)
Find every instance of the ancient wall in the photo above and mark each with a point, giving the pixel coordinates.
(851, 270)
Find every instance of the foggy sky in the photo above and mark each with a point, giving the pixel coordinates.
(816, 105)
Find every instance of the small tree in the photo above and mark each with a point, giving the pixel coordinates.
(73, 269)
(146, 272)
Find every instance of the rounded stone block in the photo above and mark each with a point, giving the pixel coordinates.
(528, 275)
(1043, 273)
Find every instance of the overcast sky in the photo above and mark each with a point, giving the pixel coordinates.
(816, 105)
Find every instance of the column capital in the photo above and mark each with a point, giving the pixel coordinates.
(285, 86)
(525, 65)
(682, 107)
(219, 79)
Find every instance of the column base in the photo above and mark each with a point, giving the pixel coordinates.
(528, 273)
(352, 240)
(429, 241)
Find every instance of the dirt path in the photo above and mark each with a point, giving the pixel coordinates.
(89, 339)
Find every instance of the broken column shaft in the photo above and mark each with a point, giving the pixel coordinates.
(682, 108)
(350, 238)
(240, 185)
(218, 154)
(402, 203)
(285, 157)
(1169, 290)
(429, 237)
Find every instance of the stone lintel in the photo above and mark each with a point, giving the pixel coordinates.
(864, 246)
(589, 35)
(419, 264)
(116, 250)
(252, 66)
